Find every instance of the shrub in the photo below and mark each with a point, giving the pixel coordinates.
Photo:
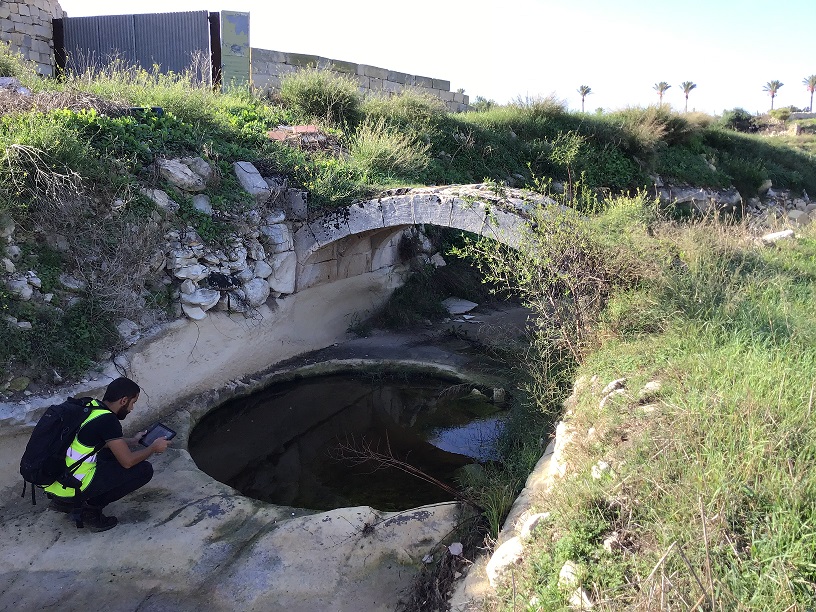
(378, 150)
(13, 64)
(319, 94)
(780, 114)
(739, 120)
(409, 108)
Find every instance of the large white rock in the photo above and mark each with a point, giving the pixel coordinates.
(252, 181)
(457, 306)
(71, 283)
(203, 298)
(202, 204)
(508, 554)
(278, 237)
(262, 269)
(199, 166)
(180, 175)
(283, 277)
(129, 331)
(195, 272)
(256, 290)
(160, 199)
(20, 288)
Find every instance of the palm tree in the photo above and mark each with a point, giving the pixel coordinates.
(772, 87)
(661, 88)
(687, 87)
(584, 91)
(810, 83)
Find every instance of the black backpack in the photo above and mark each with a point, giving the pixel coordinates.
(43, 461)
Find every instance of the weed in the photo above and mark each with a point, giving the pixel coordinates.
(318, 94)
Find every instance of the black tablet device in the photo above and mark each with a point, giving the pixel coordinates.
(155, 432)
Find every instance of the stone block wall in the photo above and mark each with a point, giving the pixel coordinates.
(268, 67)
(26, 26)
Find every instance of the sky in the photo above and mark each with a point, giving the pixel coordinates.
(510, 49)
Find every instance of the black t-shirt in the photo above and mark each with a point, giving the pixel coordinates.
(101, 430)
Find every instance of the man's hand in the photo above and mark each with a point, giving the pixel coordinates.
(135, 439)
(160, 445)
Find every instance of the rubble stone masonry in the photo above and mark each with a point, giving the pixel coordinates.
(26, 27)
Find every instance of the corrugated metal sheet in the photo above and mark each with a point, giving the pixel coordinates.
(171, 39)
(167, 39)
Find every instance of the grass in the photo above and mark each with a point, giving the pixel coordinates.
(718, 467)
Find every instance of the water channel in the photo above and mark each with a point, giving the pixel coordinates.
(299, 443)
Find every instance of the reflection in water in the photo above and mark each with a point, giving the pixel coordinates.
(283, 445)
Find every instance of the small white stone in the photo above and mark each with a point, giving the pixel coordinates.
(568, 576)
(455, 549)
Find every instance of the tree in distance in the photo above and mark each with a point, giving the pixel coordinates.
(772, 87)
(810, 84)
(584, 91)
(661, 88)
(687, 87)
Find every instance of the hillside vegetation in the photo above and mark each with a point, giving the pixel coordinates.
(620, 287)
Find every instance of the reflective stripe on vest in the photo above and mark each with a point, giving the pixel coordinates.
(84, 471)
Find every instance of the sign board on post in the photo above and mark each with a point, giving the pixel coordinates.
(235, 49)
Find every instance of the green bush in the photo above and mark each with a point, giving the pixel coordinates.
(13, 64)
(322, 95)
(409, 109)
(780, 114)
(739, 120)
(377, 150)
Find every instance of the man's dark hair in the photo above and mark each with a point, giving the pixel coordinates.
(119, 388)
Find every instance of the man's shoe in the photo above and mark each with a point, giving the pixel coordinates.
(94, 520)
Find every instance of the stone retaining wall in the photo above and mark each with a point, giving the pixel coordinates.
(26, 27)
(268, 67)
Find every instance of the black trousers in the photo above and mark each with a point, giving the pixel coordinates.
(111, 481)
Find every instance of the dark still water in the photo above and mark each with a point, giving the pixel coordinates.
(295, 444)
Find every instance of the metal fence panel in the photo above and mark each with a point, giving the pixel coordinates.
(171, 39)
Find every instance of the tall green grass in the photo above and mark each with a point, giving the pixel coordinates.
(728, 327)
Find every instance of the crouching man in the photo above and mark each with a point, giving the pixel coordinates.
(112, 472)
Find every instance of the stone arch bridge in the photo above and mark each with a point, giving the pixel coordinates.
(364, 236)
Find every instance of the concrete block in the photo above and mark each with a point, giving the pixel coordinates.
(467, 215)
(443, 85)
(447, 96)
(42, 32)
(342, 67)
(432, 209)
(392, 87)
(266, 81)
(23, 9)
(302, 60)
(373, 71)
(353, 265)
(364, 81)
(386, 253)
(466, 100)
(397, 77)
(280, 70)
(375, 84)
(45, 70)
(504, 227)
(397, 211)
(14, 8)
(265, 55)
(317, 274)
(458, 97)
(365, 216)
(421, 81)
